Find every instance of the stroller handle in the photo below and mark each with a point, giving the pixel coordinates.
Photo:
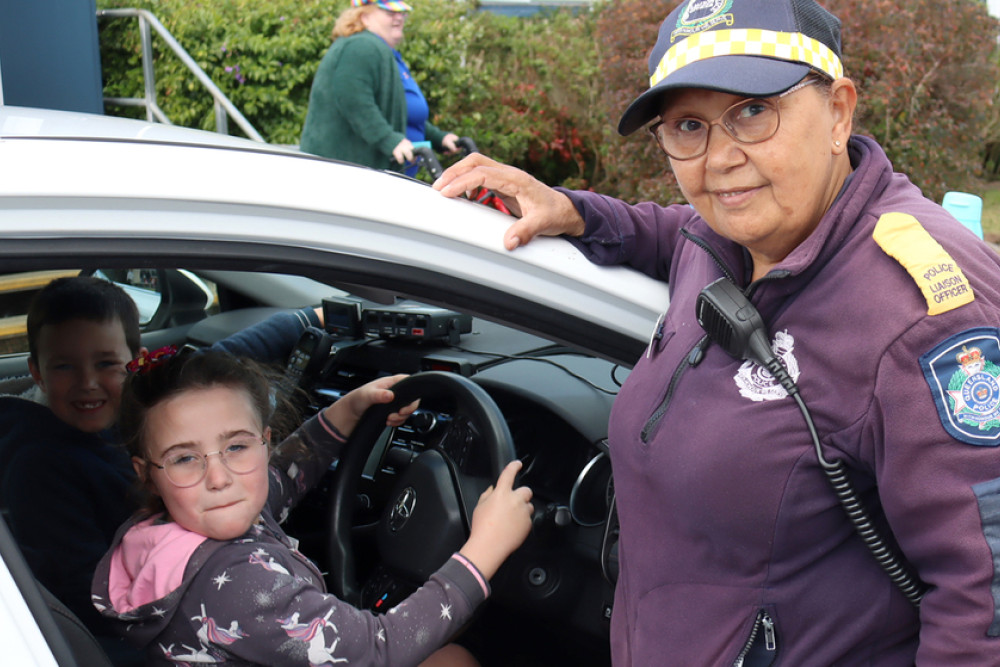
(468, 145)
(425, 155)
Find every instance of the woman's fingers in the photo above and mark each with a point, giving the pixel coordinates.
(541, 210)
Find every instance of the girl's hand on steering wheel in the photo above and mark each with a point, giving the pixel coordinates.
(345, 413)
(500, 522)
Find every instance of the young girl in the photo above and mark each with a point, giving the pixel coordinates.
(205, 574)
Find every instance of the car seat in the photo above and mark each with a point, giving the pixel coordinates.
(71, 643)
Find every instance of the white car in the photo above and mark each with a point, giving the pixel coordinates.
(212, 233)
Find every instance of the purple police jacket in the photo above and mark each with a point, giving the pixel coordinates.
(734, 549)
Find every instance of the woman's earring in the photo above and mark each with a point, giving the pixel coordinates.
(837, 143)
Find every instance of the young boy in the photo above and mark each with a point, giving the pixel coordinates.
(65, 483)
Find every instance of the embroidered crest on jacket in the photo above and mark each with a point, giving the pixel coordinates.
(963, 374)
(757, 383)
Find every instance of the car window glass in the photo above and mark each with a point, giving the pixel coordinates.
(143, 285)
(17, 290)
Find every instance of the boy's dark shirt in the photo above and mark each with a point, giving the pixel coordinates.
(67, 478)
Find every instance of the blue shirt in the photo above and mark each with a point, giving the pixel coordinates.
(417, 111)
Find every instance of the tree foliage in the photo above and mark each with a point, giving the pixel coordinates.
(261, 55)
(927, 77)
(545, 93)
(526, 90)
(637, 169)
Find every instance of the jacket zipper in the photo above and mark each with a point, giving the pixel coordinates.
(693, 359)
(701, 243)
(762, 622)
(752, 287)
(694, 356)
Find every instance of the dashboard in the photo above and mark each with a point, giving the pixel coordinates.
(556, 404)
(555, 592)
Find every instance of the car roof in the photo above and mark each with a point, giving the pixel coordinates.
(82, 185)
(18, 121)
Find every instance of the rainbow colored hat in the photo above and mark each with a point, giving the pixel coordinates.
(753, 48)
(388, 5)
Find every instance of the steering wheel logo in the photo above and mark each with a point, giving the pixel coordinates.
(402, 510)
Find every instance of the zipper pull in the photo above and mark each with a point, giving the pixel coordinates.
(698, 353)
(770, 639)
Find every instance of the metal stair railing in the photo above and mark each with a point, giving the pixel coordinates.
(224, 108)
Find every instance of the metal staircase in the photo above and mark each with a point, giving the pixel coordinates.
(224, 108)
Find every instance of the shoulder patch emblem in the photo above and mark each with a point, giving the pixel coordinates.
(962, 373)
(939, 278)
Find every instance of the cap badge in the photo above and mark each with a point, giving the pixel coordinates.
(702, 15)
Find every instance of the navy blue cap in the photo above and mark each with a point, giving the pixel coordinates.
(752, 48)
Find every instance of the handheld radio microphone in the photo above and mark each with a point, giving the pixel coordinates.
(735, 325)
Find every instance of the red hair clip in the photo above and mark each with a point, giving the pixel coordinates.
(148, 360)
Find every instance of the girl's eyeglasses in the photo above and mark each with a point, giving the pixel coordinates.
(186, 467)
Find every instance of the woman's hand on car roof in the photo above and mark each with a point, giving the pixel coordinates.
(540, 209)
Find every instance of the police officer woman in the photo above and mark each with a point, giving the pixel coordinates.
(884, 311)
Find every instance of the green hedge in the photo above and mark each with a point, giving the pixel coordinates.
(262, 55)
(544, 93)
(926, 74)
(520, 88)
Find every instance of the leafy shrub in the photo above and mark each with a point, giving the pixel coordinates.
(926, 78)
(261, 55)
(523, 89)
(637, 169)
(924, 69)
(545, 93)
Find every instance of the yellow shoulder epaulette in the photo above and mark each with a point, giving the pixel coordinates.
(942, 282)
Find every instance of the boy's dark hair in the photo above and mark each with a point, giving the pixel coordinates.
(82, 298)
(200, 369)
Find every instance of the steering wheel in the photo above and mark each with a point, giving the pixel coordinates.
(430, 508)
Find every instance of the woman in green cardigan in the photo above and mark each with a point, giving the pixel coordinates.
(364, 106)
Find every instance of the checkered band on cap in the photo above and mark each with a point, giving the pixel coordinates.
(391, 5)
(790, 46)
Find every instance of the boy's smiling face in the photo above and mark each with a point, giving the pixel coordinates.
(81, 368)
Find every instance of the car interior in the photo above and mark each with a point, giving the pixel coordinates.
(491, 388)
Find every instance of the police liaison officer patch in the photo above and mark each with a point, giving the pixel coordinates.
(940, 279)
(962, 373)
